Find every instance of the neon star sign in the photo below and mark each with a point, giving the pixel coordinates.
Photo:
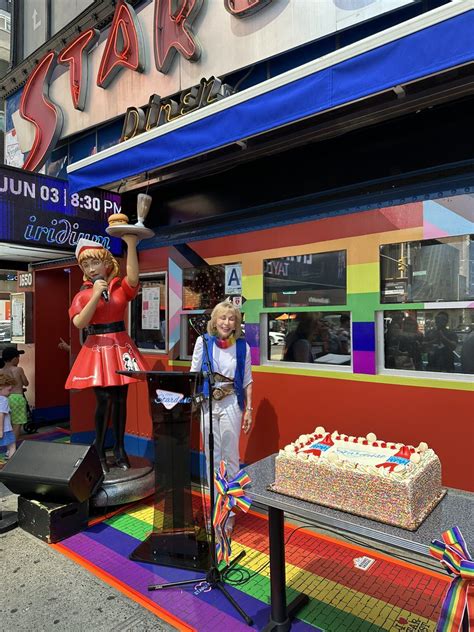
(173, 19)
(125, 46)
(124, 50)
(36, 107)
(242, 8)
(76, 57)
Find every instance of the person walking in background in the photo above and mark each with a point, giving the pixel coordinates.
(410, 345)
(7, 436)
(99, 308)
(311, 339)
(229, 358)
(441, 344)
(16, 399)
(344, 334)
(467, 354)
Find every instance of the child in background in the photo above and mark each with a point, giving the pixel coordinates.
(7, 436)
(17, 401)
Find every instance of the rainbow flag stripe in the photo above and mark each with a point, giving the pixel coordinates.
(458, 602)
(388, 595)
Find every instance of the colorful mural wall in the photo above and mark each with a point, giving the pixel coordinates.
(289, 401)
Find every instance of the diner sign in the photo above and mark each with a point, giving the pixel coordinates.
(160, 111)
(161, 33)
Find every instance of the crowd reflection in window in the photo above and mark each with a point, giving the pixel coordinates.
(430, 340)
(310, 337)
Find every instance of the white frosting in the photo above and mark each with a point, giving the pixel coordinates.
(361, 453)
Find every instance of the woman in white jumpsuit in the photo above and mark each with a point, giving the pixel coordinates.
(229, 355)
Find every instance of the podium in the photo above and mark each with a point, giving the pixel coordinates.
(179, 537)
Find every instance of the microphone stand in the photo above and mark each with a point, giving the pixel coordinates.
(214, 576)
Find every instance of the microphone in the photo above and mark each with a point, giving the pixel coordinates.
(105, 293)
(199, 323)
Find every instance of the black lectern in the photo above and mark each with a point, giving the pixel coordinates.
(178, 539)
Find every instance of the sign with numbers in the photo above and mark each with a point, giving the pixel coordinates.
(37, 210)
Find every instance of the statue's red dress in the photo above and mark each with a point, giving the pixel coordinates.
(104, 354)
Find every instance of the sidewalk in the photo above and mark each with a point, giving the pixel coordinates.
(43, 590)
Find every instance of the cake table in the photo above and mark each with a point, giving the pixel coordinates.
(456, 508)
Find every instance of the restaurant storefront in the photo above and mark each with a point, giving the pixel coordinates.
(339, 191)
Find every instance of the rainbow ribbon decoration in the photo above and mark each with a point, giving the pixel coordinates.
(230, 496)
(454, 556)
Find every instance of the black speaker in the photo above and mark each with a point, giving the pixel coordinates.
(60, 472)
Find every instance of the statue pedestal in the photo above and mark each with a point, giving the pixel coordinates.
(120, 487)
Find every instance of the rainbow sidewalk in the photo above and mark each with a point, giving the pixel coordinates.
(388, 595)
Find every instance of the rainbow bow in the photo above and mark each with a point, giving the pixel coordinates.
(230, 496)
(454, 556)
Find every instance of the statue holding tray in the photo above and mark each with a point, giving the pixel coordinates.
(99, 309)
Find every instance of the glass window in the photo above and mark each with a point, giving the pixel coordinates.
(189, 335)
(5, 42)
(309, 337)
(149, 313)
(440, 340)
(193, 326)
(425, 271)
(8, 281)
(206, 286)
(64, 12)
(109, 135)
(35, 25)
(57, 163)
(83, 147)
(305, 280)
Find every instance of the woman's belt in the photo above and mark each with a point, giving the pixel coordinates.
(218, 377)
(219, 392)
(106, 328)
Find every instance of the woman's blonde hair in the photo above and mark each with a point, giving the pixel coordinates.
(217, 311)
(103, 255)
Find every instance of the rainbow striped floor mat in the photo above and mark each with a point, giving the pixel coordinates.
(351, 589)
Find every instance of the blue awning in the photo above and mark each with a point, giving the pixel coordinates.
(318, 86)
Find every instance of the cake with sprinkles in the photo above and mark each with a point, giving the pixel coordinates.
(389, 482)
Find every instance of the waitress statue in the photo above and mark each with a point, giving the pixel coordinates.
(99, 309)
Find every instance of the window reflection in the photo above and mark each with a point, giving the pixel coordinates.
(5, 39)
(310, 337)
(191, 333)
(305, 280)
(430, 340)
(431, 270)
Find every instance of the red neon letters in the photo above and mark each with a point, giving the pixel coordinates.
(76, 56)
(125, 46)
(242, 8)
(36, 107)
(173, 32)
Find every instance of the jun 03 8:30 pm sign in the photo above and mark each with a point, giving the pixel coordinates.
(38, 210)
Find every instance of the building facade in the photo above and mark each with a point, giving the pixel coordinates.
(313, 161)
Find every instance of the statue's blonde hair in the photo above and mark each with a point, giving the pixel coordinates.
(103, 255)
(225, 306)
